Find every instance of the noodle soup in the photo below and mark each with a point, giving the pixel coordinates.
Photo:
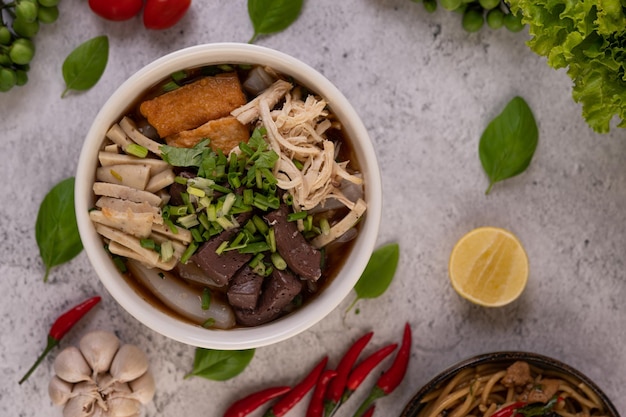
(228, 195)
(507, 384)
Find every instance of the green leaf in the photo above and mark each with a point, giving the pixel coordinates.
(220, 365)
(56, 230)
(186, 157)
(84, 66)
(378, 273)
(508, 143)
(271, 16)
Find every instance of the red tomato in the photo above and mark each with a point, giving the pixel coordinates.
(162, 14)
(116, 9)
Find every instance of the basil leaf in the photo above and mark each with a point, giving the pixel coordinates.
(56, 231)
(220, 365)
(378, 273)
(508, 143)
(271, 16)
(84, 66)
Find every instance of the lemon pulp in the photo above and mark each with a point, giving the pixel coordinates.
(489, 266)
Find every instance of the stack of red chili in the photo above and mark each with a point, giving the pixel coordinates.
(334, 387)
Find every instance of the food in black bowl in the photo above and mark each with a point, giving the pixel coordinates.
(510, 384)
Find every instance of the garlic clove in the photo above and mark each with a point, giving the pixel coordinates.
(143, 388)
(99, 347)
(129, 363)
(70, 365)
(123, 407)
(60, 391)
(80, 406)
(87, 388)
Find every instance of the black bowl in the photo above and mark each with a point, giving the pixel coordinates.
(414, 406)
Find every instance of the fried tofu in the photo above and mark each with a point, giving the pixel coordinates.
(225, 134)
(194, 104)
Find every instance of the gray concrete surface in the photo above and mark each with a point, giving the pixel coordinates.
(426, 90)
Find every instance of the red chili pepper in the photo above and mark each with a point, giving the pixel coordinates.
(246, 405)
(60, 327)
(392, 377)
(298, 392)
(336, 387)
(509, 410)
(363, 369)
(316, 405)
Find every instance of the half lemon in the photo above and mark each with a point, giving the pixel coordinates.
(489, 266)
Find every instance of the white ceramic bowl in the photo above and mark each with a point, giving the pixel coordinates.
(238, 338)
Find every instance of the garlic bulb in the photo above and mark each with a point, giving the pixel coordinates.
(101, 378)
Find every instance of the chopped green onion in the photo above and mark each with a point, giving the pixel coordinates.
(271, 240)
(196, 234)
(234, 179)
(178, 210)
(222, 247)
(116, 175)
(196, 191)
(180, 180)
(255, 247)
(204, 221)
(170, 224)
(229, 200)
(259, 269)
(278, 261)
(308, 223)
(220, 188)
(208, 323)
(170, 86)
(248, 196)
(211, 213)
(119, 264)
(261, 226)
(167, 251)
(188, 221)
(255, 261)
(147, 243)
(324, 226)
(298, 164)
(136, 150)
(179, 76)
(224, 223)
(250, 227)
(206, 298)
(191, 249)
(300, 215)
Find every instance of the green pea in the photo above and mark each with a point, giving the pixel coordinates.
(5, 35)
(25, 29)
(495, 18)
(21, 77)
(22, 51)
(5, 61)
(8, 79)
(473, 19)
(489, 4)
(430, 5)
(48, 3)
(513, 22)
(26, 11)
(450, 4)
(48, 14)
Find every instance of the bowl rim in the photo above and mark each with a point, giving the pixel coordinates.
(413, 406)
(238, 338)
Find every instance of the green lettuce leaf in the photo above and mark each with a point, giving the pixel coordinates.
(589, 39)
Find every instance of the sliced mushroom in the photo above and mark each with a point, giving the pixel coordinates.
(126, 193)
(249, 112)
(134, 176)
(110, 158)
(129, 127)
(117, 135)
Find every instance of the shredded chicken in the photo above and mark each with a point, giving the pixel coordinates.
(296, 132)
